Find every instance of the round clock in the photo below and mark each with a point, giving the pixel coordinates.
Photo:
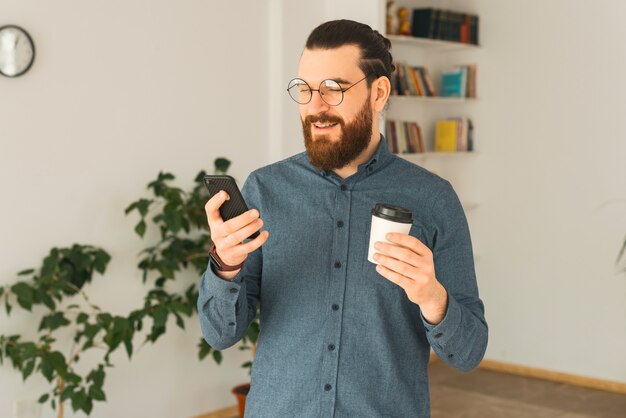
(17, 51)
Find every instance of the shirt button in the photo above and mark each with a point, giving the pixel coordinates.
(344, 187)
(450, 355)
(331, 347)
(233, 290)
(327, 387)
(337, 264)
(231, 324)
(340, 224)
(335, 307)
(437, 335)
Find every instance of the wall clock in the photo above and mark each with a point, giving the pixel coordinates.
(17, 51)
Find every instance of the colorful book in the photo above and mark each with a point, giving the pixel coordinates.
(453, 83)
(446, 132)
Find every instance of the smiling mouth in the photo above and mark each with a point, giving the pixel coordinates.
(324, 125)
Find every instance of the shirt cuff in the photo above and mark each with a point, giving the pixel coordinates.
(225, 290)
(442, 332)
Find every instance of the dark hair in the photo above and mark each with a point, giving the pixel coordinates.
(376, 60)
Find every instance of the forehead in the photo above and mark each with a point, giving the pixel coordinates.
(337, 63)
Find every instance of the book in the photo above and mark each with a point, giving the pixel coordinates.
(453, 83)
(403, 137)
(423, 23)
(446, 132)
(411, 81)
(460, 82)
(446, 25)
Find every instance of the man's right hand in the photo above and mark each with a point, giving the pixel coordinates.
(228, 235)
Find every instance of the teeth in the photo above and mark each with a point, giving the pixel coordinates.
(324, 125)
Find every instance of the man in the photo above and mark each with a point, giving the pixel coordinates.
(341, 336)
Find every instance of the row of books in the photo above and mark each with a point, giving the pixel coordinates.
(454, 135)
(445, 25)
(404, 137)
(412, 81)
(460, 82)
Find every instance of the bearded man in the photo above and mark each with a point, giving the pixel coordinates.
(342, 336)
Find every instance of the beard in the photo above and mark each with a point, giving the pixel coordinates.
(354, 138)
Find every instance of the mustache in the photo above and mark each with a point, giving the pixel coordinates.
(323, 118)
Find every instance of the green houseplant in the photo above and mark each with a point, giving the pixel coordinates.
(58, 288)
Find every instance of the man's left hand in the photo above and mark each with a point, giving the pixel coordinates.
(409, 263)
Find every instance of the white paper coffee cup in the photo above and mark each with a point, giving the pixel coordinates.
(385, 219)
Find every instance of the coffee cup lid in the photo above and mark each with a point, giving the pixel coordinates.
(393, 213)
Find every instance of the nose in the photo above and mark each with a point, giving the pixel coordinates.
(316, 105)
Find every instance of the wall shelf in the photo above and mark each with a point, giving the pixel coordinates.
(434, 44)
(434, 100)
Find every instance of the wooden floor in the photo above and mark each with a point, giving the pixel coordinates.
(488, 394)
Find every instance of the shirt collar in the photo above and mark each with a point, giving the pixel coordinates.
(378, 160)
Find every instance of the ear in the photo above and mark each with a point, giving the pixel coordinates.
(381, 88)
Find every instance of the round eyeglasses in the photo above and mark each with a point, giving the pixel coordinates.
(330, 91)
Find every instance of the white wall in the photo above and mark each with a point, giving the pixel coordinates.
(119, 91)
(553, 184)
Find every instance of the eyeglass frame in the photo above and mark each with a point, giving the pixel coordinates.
(318, 90)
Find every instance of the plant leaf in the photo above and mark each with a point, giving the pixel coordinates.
(45, 298)
(53, 321)
(25, 294)
(101, 260)
(140, 229)
(82, 318)
(58, 362)
(221, 164)
(96, 393)
(130, 208)
(46, 368)
(87, 405)
(28, 369)
(217, 356)
(97, 376)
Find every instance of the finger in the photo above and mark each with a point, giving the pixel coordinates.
(394, 277)
(243, 233)
(408, 241)
(396, 266)
(212, 207)
(401, 253)
(235, 224)
(250, 246)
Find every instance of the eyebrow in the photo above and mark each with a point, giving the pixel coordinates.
(340, 80)
(337, 79)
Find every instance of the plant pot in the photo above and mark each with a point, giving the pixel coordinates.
(241, 392)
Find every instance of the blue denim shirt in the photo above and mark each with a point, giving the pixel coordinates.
(338, 339)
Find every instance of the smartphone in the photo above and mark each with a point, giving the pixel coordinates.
(234, 206)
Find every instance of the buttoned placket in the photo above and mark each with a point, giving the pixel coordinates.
(331, 344)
